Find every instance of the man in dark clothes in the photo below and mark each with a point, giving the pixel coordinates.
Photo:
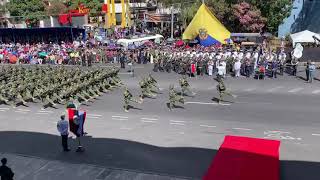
(91, 58)
(5, 172)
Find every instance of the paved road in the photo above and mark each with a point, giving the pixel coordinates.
(183, 142)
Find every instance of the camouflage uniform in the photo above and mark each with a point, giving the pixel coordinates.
(185, 87)
(174, 97)
(222, 90)
(127, 98)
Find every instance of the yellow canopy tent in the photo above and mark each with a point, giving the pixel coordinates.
(206, 28)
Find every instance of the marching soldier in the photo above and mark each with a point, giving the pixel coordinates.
(145, 89)
(153, 83)
(174, 98)
(222, 90)
(185, 86)
(127, 98)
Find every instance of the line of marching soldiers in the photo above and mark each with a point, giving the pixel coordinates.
(199, 63)
(149, 88)
(52, 85)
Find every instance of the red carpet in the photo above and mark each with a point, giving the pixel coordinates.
(243, 158)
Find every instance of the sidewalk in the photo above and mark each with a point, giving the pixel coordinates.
(32, 168)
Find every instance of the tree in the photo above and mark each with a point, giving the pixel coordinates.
(56, 7)
(275, 11)
(248, 18)
(94, 5)
(30, 10)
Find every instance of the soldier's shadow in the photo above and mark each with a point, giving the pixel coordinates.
(215, 99)
(48, 106)
(185, 95)
(23, 105)
(132, 107)
(175, 106)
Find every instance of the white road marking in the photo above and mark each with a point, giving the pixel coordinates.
(280, 135)
(4, 108)
(179, 124)
(250, 89)
(174, 121)
(315, 134)
(122, 117)
(23, 112)
(93, 117)
(39, 113)
(26, 110)
(146, 121)
(125, 128)
(242, 129)
(295, 90)
(285, 132)
(208, 126)
(203, 103)
(124, 73)
(316, 91)
(160, 89)
(119, 119)
(243, 102)
(96, 115)
(151, 119)
(275, 88)
(181, 133)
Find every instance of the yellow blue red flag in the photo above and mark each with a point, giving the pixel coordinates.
(206, 28)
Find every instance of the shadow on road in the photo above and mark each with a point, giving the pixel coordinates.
(115, 153)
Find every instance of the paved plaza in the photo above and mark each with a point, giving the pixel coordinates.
(151, 142)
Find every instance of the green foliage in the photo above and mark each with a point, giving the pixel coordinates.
(56, 7)
(93, 5)
(33, 10)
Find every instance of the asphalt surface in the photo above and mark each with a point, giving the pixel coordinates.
(179, 143)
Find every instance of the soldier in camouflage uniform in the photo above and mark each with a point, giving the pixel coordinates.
(145, 89)
(174, 97)
(52, 85)
(153, 84)
(185, 86)
(222, 90)
(128, 97)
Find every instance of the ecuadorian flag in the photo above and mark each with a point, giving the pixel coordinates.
(206, 28)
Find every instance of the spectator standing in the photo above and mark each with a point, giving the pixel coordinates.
(274, 67)
(220, 70)
(123, 60)
(237, 68)
(312, 69)
(308, 71)
(210, 66)
(5, 172)
(63, 127)
(247, 68)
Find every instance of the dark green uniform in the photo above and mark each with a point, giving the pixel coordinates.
(185, 87)
(174, 97)
(127, 98)
(222, 90)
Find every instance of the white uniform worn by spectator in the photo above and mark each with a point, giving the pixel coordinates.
(237, 67)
